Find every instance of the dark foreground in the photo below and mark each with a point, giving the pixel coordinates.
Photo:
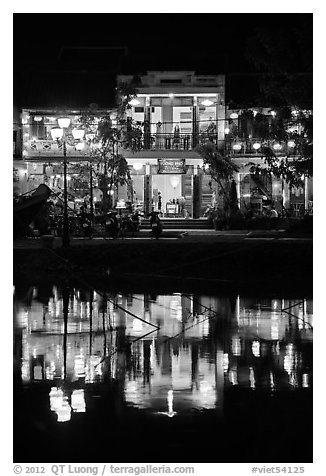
(203, 263)
(255, 427)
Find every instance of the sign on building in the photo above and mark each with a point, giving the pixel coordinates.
(171, 166)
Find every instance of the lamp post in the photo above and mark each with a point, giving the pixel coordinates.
(59, 133)
(90, 138)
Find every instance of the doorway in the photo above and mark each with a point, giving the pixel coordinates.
(170, 187)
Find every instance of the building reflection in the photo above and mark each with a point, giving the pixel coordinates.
(76, 341)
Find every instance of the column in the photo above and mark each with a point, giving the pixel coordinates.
(195, 123)
(196, 196)
(220, 121)
(147, 191)
(147, 124)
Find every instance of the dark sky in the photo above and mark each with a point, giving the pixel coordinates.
(55, 59)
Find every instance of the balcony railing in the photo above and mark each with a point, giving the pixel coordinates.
(171, 142)
(183, 142)
(50, 148)
(232, 146)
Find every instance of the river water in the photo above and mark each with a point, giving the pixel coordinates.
(106, 377)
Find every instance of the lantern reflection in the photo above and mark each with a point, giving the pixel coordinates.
(178, 366)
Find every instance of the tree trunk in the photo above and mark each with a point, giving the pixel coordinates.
(105, 190)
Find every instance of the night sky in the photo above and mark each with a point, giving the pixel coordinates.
(56, 62)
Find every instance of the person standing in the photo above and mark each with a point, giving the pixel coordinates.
(273, 217)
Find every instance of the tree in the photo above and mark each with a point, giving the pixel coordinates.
(282, 56)
(221, 168)
(294, 128)
(106, 136)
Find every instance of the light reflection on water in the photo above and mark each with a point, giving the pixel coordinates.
(190, 350)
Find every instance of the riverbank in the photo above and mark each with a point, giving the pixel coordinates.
(265, 264)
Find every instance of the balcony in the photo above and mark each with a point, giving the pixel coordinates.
(51, 148)
(169, 142)
(182, 142)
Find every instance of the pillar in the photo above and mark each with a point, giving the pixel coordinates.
(195, 123)
(220, 120)
(147, 191)
(147, 124)
(196, 196)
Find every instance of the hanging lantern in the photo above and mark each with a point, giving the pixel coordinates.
(78, 134)
(174, 180)
(56, 133)
(80, 146)
(207, 103)
(64, 122)
(134, 102)
(277, 146)
(237, 146)
(137, 165)
(256, 145)
(49, 171)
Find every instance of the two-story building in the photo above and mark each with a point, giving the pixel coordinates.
(181, 110)
(178, 111)
(43, 155)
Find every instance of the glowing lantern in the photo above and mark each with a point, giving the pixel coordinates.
(137, 165)
(134, 102)
(174, 180)
(237, 146)
(80, 146)
(207, 102)
(56, 133)
(64, 122)
(78, 134)
(277, 146)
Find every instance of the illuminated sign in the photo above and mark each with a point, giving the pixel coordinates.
(171, 166)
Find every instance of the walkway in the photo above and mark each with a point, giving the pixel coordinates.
(188, 236)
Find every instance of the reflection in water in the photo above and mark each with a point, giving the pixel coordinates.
(201, 346)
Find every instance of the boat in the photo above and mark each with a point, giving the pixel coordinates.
(27, 206)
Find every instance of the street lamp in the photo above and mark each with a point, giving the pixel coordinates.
(59, 133)
(90, 138)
